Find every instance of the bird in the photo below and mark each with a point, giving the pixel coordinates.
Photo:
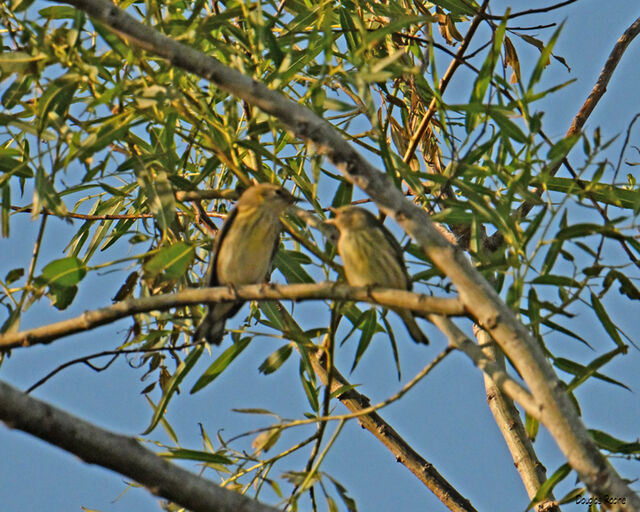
(243, 251)
(371, 256)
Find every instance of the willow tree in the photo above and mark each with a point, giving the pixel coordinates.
(142, 122)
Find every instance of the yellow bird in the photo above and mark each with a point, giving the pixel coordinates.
(372, 257)
(243, 251)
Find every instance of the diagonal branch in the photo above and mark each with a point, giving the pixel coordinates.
(532, 473)
(119, 453)
(421, 304)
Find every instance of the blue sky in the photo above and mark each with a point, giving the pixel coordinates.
(445, 418)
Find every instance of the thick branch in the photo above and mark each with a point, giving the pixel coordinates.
(421, 304)
(481, 300)
(119, 453)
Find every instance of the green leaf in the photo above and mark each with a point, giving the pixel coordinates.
(172, 261)
(342, 492)
(220, 364)
(160, 197)
(56, 98)
(62, 296)
(556, 280)
(5, 215)
(605, 320)
(311, 393)
(558, 328)
(532, 426)
(601, 192)
(485, 75)
(608, 442)
(276, 359)
(16, 91)
(184, 454)
(547, 487)
(368, 324)
(19, 62)
(343, 195)
(543, 61)
(172, 386)
(289, 263)
(350, 32)
(582, 373)
(45, 196)
(571, 496)
(394, 345)
(64, 272)
(13, 275)
(561, 149)
(458, 7)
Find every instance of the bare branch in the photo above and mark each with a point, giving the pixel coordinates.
(605, 76)
(421, 304)
(119, 453)
(531, 11)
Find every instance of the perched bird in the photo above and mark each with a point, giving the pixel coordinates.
(243, 251)
(372, 257)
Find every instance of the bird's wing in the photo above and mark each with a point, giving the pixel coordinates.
(213, 260)
(396, 248)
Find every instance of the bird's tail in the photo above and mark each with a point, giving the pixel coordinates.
(211, 329)
(212, 326)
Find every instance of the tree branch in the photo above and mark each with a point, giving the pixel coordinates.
(532, 473)
(391, 298)
(119, 453)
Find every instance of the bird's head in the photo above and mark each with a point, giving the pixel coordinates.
(350, 218)
(266, 195)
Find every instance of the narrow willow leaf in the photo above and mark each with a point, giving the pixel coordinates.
(171, 261)
(545, 54)
(547, 487)
(172, 386)
(606, 321)
(608, 442)
(276, 359)
(160, 197)
(220, 364)
(184, 454)
(368, 326)
(556, 280)
(290, 267)
(45, 196)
